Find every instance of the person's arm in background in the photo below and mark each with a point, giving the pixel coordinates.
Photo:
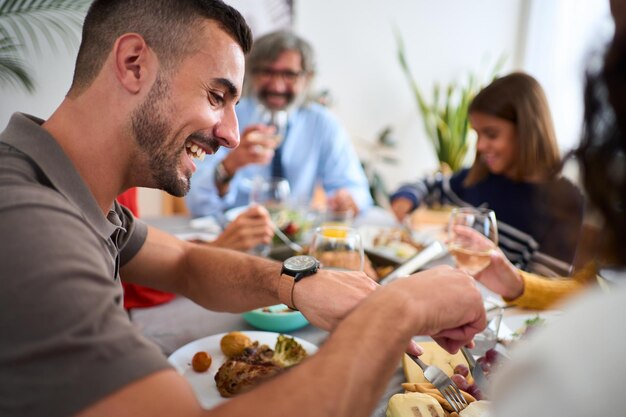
(410, 196)
(249, 229)
(343, 178)
(525, 289)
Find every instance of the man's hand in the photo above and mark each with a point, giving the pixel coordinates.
(443, 303)
(256, 147)
(342, 201)
(328, 296)
(249, 229)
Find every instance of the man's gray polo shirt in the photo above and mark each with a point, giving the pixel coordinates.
(65, 339)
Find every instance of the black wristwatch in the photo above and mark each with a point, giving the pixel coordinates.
(294, 269)
(222, 177)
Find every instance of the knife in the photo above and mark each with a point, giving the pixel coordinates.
(430, 252)
(480, 379)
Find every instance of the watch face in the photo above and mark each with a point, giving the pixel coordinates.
(300, 263)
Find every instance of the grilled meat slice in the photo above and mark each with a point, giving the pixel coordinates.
(247, 370)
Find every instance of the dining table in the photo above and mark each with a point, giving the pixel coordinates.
(181, 321)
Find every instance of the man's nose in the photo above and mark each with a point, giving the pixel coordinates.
(227, 129)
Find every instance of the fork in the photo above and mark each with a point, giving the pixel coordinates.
(283, 237)
(443, 383)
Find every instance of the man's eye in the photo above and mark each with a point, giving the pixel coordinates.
(216, 98)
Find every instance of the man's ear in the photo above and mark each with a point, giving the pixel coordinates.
(134, 62)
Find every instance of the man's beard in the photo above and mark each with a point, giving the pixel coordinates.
(288, 96)
(151, 130)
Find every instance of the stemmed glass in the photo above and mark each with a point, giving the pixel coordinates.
(276, 118)
(273, 194)
(338, 247)
(472, 235)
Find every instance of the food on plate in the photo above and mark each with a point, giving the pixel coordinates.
(489, 362)
(234, 343)
(282, 310)
(414, 404)
(530, 325)
(246, 370)
(201, 361)
(476, 409)
(294, 223)
(288, 352)
(396, 242)
(429, 389)
(257, 363)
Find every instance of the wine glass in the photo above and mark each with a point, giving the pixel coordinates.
(338, 247)
(472, 235)
(276, 118)
(273, 194)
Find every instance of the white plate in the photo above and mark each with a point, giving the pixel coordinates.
(398, 253)
(513, 323)
(203, 384)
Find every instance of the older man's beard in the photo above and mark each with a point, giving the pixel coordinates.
(151, 129)
(289, 97)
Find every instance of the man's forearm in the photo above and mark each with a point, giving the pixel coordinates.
(228, 280)
(348, 375)
(218, 279)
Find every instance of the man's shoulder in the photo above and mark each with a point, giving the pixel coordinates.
(18, 196)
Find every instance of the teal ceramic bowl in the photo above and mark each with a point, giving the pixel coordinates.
(276, 318)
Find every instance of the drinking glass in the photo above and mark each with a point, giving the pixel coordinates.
(488, 338)
(472, 235)
(338, 247)
(338, 217)
(273, 194)
(276, 118)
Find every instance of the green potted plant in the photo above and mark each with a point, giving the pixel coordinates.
(445, 118)
(24, 24)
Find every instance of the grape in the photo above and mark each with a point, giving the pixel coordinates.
(491, 355)
(460, 381)
(475, 392)
(484, 364)
(461, 370)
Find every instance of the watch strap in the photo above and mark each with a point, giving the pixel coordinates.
(286, 284)
(221, 175)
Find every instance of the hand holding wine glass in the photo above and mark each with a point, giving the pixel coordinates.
(472, 236)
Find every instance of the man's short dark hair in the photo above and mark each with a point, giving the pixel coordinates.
(168, 26)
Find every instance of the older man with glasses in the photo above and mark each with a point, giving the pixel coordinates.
(313, 147)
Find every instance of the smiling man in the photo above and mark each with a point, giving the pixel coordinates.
(314, 148)
(155, 87)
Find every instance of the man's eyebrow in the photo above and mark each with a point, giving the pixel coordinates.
(230, 87)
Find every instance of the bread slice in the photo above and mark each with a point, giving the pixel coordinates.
(414, 404)
(476, 409)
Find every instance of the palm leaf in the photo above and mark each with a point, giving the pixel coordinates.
(446, 119)
(13, 71)
(27, 25)
(33, 22)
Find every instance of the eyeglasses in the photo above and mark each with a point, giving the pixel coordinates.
(267, 74)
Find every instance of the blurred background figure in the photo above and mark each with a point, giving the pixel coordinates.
(283, 134)
(591, 329)
(515, 173)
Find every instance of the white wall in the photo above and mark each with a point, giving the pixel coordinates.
(357, 62)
